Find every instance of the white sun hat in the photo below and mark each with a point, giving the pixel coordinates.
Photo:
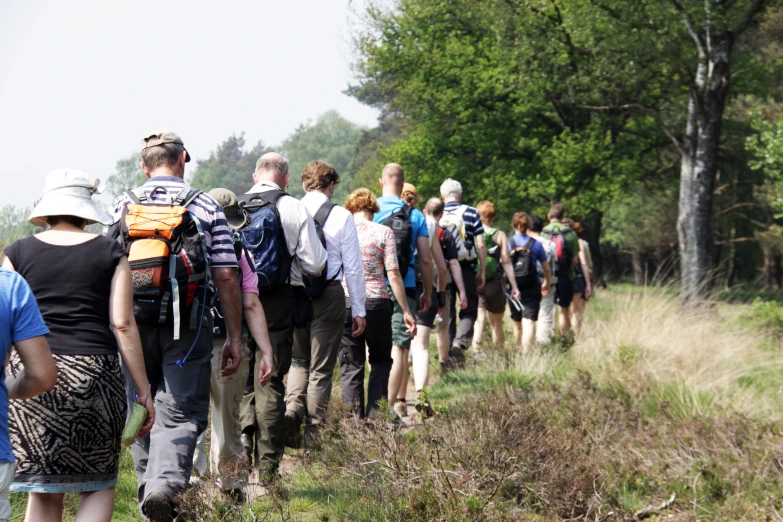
(69, 192)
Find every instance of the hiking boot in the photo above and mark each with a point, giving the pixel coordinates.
(292, 424)
(401, 408)
(158, 507)
(423, 406)
(236, 495)
(457, 353)
(446, 366)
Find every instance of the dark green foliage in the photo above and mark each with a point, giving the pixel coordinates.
(229, 166)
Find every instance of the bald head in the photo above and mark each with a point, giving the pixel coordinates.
(434, 208)
(273, 167)
(392, 180)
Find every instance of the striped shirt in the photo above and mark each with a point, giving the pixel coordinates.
(220, 249)
(473, 225)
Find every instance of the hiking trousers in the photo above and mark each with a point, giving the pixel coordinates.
(164, 458)
(544, 331)
(227, 455)
(269, 400)
(315, 356)
(462, 334)
(378, 337)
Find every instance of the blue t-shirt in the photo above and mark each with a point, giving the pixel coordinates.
(536, 250)
(19, 320)
(390, 204)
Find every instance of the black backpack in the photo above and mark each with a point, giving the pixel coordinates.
(400, 223)
(168, 258)
(264, 239)
(525, 270)
(315, 285)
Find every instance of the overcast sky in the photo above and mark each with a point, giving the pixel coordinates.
(82, 81)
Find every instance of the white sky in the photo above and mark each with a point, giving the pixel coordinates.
(82, 81)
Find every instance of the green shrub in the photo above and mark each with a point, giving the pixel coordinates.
(766, 315)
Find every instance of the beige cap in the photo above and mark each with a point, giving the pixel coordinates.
(228, 200)
(161, 137)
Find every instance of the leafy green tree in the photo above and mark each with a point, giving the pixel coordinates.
(14, 224)
(229, 166)
(127, 175)
(330, 138)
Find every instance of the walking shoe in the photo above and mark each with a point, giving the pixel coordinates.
(401, 408)
(237, 495)
(247, 443)
(423, 405)
(457, 353)
(446, 366)
(291, 427)
(158, 507)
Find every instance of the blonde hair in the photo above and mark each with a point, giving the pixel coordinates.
(361, 200)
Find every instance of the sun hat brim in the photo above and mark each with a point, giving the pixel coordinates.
(60, 203)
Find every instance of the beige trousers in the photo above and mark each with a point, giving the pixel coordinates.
(227, 455)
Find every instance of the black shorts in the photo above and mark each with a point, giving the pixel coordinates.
(530, 298)
(579, 286)
(564, 291)
(427, 317)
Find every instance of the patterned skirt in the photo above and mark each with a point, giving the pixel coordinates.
(68, 439)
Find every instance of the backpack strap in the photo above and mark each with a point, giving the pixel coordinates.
(321, 216)
(530, 242)
(133, 197)
(185, 197)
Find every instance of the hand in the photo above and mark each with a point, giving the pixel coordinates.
(440, 312)
(359, 324)
(232, 356)
(545, 288)
(147, 426)
(265, 368)
(463, 301)
(515, 294)
(588, 292)
(480, 282)
(410, 323)
(425, 300)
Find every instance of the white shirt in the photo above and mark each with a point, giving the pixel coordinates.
(342, 247)
(307, 254)
(551, 255)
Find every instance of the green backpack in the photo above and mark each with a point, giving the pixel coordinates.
(493, 252)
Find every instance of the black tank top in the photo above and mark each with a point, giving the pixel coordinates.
(72, 285)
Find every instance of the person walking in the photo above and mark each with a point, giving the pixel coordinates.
(425, 319)
(411, 235)
(228, 456)
(68, 439)
(583, 287)
(567, 248)
(526, 254)
(286, 305)
(316, 345)
(492, 299)
(174, 274)
(546, 315)
(455, 287)
(22, 326)
(464, 223)
(379, 257)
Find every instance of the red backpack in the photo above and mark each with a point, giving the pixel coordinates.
(558, 237)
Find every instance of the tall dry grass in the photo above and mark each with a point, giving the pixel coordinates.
(696, 361)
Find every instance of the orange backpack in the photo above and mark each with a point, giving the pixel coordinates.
(168, 258)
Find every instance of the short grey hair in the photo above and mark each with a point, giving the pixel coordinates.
(276, 164)
(451, 188)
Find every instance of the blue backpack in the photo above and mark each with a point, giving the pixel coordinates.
(264, 240)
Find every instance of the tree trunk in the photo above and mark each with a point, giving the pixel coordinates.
(638, 268)
(771, 268)
(699, 165)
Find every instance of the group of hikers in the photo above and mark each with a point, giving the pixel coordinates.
(194, 306)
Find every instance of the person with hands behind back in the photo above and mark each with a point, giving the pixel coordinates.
(69, 438)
